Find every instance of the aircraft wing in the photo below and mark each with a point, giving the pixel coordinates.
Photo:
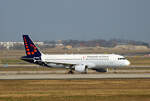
(62, 63)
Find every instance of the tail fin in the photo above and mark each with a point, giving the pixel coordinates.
(30, 48)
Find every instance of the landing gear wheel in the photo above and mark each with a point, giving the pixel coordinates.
(70, 72)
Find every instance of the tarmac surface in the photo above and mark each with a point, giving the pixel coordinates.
(71, 76)
(62, 74)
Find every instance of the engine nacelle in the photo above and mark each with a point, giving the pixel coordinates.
(81, 68)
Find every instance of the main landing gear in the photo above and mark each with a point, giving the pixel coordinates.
(71, 71)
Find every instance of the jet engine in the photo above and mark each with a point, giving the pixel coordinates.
(81, 68)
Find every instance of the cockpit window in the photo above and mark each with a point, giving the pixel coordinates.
(121, 58)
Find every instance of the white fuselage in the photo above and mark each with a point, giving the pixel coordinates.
(93, 61)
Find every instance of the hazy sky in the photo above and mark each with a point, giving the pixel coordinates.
(75, 19)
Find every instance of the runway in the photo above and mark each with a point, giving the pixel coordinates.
(62, 74)
(71, 76)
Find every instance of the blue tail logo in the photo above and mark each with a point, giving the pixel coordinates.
(31, 50)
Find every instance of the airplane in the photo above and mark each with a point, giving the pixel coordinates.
(74, 62)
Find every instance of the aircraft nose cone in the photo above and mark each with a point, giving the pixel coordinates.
(127, 63)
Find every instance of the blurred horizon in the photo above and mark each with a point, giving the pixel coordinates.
(75, 19)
